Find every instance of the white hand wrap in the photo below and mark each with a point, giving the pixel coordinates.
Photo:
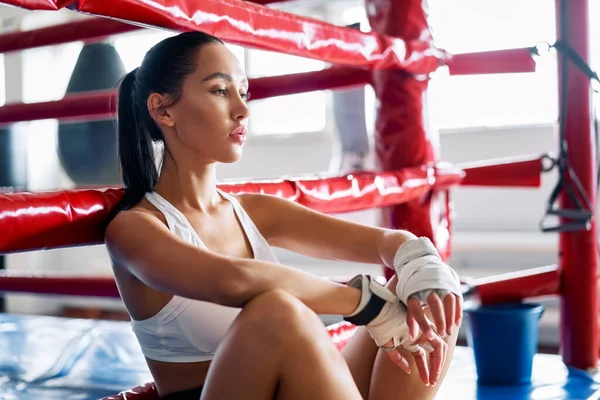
(390, 323)
(421, 270)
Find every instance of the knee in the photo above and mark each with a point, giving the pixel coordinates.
(278, 316)
(278, 307)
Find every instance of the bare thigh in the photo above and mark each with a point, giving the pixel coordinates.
(388, 382)
(278, 349)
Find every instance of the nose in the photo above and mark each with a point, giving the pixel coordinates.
(240, 110)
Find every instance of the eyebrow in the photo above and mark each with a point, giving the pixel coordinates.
(222, 75)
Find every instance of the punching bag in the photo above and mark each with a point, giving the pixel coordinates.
(13, 160)
(13, 170)
(88, 150)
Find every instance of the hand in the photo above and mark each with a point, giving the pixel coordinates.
(383, 315)
(425, 280)
(446, 313)
(390, 331)
(438, 349)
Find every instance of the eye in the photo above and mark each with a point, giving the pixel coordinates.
(220, 92)
(246, 96)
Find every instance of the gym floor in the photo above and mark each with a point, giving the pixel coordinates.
(44, 357)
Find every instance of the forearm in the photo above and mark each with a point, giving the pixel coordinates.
(253, 277)
(389, 242)
(250, 278)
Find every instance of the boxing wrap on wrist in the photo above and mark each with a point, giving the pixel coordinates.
(381, 313)
(420, 271)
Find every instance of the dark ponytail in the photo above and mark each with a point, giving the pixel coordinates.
(136, 133)
(163, 70)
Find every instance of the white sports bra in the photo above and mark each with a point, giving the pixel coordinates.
(185, 330)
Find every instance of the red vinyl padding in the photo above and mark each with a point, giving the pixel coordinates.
(66, 218)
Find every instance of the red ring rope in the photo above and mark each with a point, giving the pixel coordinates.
(39, 4)
(89, 28)
(36, 221)
(253, 25)
(98, 105)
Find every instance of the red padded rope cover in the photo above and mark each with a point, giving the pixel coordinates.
(403, 136)
(58, 284)
(101, 104)
(81, 106)
(70, 284)
(258, 26)
(518, 286)
(57, 4)
(89, 28)
(35, 221)
(38, 4)
(492, 62)
(524, 171)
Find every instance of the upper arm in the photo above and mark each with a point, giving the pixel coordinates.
(295, 227)
(161, 260)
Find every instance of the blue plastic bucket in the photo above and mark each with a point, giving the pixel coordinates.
(504, 340)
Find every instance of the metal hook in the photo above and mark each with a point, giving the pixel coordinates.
(552, 162)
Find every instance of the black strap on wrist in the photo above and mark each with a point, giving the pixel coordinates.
(369, 313)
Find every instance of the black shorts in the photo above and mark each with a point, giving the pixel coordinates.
(190, 394)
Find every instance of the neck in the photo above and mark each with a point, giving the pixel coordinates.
(189, 186)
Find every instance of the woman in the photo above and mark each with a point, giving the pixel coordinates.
(213, 311)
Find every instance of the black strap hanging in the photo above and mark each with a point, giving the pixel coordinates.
(578, 218)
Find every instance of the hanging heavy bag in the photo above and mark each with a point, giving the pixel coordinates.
(88, 150)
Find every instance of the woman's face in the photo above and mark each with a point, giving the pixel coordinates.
(211, 116)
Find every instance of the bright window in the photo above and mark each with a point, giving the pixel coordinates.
(40, 63)
(304, 112)
(133, 47)
(462, 26)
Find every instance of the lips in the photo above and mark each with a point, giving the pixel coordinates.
(239, 131)
(239, 134)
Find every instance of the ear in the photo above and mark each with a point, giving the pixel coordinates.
(158, 111)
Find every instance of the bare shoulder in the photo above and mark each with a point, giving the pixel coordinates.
(262, 203)
(264, 210)
(130, 226)
(255, 200)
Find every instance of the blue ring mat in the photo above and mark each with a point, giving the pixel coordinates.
(50, 358)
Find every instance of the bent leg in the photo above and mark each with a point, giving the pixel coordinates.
(360, 354)
(390, 383)
(278, 349)
(378, 378)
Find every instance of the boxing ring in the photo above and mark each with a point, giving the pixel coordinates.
(52, 358)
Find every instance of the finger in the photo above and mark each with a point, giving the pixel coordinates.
(459, 311)
(413, 327)
(446, 349)
(415, 310)
(423, 342)
(436, 359)
(437, 312)
(396, 357)
(435, 372)
(449, 308)
(400, 361)
(421, 363)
